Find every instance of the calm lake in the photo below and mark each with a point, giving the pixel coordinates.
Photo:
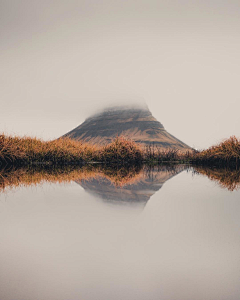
(159, 234)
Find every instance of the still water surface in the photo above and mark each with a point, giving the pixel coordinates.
(166, 236)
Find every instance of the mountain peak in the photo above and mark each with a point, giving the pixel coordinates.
(135, 122)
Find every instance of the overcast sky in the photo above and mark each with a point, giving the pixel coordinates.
(62, 60)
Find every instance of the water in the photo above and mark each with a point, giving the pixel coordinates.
(164, 235)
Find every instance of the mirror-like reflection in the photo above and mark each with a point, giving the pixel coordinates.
(146, 182)
(226, 178)
(119, 176)
(133, 184)
(120, 183)
(66, 241)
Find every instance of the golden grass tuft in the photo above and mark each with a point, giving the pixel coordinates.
(121, 149)
(26, 149)
(225, 153)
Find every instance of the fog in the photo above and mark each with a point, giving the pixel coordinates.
(63, 60)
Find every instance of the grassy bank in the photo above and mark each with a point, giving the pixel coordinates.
(22, 151)
(222, 154)
(226, 153)
(27, 151)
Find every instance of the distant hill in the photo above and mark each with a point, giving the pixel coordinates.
(136, 123)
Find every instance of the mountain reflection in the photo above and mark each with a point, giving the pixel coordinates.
(138, 182)
(146, 182)
(132, 183)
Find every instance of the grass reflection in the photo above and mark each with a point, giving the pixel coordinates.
(225, 177)
(118, 176)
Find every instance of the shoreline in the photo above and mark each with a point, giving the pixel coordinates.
(26, 151)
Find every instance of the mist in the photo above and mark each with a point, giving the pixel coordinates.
(62, 61)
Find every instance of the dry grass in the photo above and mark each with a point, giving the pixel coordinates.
(156, 154)
(225, 153)
(121, 149)
(22, 151)
(26, 150)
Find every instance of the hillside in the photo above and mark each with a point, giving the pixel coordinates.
(135, 123)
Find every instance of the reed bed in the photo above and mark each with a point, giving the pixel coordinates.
(27, 151)
(15, 150)
(152, 153)
(226, 153)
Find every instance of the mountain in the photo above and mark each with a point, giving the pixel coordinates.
(136, 123)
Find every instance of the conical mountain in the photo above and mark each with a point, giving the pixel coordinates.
(135, 123)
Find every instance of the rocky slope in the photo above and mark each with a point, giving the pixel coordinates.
(135, 123)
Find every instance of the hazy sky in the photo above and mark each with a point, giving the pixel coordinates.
(62, 60)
